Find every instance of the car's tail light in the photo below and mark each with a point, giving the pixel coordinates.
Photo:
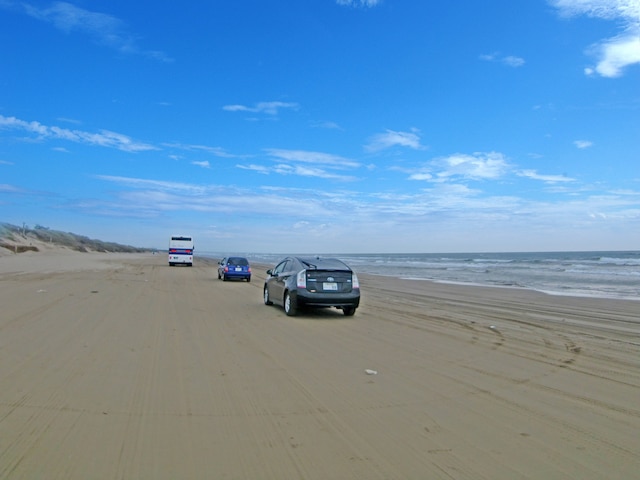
(355, 283)
(301, 279)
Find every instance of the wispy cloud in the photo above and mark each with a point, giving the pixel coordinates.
(513, 61)
(6, 188)
(255, 168)
(141, 197)
(217, 151)
(104, 29)
(359, 3)
(186, 188)
(328, 125)
(533, 175)
(268, 108)
(104, 138)
(391, 138)
(306, 171)
(453, 210)
(318, 158)
(203, 164)
(616, 53)
(509, 60)
(583, 144)
(305, 164)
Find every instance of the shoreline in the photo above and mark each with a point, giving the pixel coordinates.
(516, 287)
(564, 274)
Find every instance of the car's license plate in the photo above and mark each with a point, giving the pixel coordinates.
(238, 269)
(332, 286)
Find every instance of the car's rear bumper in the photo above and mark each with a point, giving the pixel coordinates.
(351, 299)
(237, 274)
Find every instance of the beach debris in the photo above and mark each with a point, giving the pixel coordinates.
(492, 327)
(370, 372)
(42, 291)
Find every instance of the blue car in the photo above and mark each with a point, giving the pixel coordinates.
(234, 267)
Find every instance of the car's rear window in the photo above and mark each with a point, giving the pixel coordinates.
(242, 262)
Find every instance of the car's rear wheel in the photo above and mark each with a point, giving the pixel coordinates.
(290, 307)
(248, 279)
(266, 296)
(348, 311)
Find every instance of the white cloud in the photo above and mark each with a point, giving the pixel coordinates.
(142, 197)
(297, 163)
(509, 60)
(299, 170)
(420, 176)
(327, 125)
(104, 138)
(305, 171)
(255, 168)
(359, 3)
(533, 175)
(618, 53)
(513, 61)
(105, 29)
(391, 138)
(154, 184)
(269, 108)
(217, 151)
(613, 54)
(583, 144)
(479, 166)
(204, 164)
(319, 158)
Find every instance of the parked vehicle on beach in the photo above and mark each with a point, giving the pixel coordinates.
(181, 250)
(234, 267)
(298, 282)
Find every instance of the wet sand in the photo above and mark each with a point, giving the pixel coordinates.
(117, 366)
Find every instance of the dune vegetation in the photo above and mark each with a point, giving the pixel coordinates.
(18, 239)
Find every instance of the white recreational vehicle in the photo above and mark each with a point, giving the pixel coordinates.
(181, 250)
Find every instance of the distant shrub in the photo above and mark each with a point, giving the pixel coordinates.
(70, 240)
(19, 248)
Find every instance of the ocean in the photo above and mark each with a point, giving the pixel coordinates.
(593, 274)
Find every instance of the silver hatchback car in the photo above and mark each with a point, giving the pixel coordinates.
(299, 282)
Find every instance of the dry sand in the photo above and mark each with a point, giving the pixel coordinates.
(118, 366)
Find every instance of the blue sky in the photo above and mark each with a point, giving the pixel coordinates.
(325, 126)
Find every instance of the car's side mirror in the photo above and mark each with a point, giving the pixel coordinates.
(269, 272)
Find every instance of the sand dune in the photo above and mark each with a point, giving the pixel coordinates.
(117, 366)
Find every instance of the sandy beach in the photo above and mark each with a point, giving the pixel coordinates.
(117, 366)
